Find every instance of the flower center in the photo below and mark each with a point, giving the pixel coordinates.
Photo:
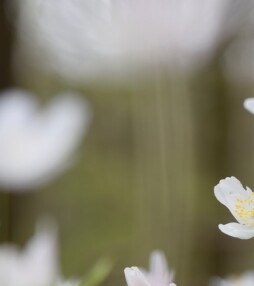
(244, 208)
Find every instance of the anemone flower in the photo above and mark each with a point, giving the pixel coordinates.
(36, 264)
(240, 203)
(36, 145)
(245, 279)
(158, 274)
(82, 38)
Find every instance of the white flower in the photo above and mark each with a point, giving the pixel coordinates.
(240, 202)
(85, 38)
(36, 265)
(246, 279)
(249, 104)
(158, 275)
(36, 145)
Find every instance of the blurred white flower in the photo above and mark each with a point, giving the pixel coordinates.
(77, 38)
(240, 202)
(246, 279)
(36, 145)
(36, 265)
(249, 104)
(158, 274)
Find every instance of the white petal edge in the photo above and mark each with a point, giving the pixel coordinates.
(134, 277)
(227, 187)
(237, 230)
(159, 271)
(227, 191)
(249, 104)
(158, 262)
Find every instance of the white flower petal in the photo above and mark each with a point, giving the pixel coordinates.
(134, 277)
(159, 273)
(237, 230)
(249, 104)
(228, 191)
(17, 107)
(42, 249)
(37, 264)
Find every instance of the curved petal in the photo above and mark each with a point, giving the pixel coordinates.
(237, 230)
(249, 104)
(17, 107)
(228, 191)
(158, 262)
(159, 273)
(37, 264)
(134, 277)
(42, 250)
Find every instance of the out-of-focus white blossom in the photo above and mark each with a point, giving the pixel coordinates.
(249, 104)
(36, 145)
(245, 279)
(84, 38)
(240, 202)
(36, 265)
(158, 274)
